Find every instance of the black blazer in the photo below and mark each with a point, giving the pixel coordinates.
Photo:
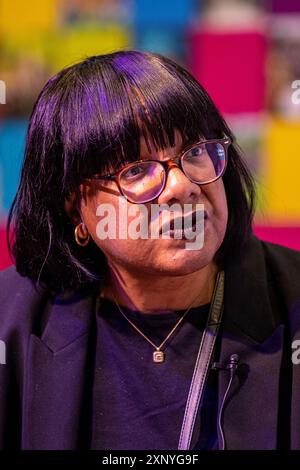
(49, 341)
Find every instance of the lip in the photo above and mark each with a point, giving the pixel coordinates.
(169, 227)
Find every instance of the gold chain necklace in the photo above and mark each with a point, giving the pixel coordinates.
(158, 355)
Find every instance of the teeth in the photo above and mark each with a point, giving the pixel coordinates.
(180, 233)
(188, 222)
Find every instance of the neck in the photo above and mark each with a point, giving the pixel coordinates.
(160, 294)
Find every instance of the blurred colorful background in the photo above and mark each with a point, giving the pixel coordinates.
(246, 53)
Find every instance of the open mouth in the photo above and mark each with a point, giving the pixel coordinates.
(184, 227)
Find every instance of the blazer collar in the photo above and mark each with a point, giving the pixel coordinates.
(58, 378)
(70, 317)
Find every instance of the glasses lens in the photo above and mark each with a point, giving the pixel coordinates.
(205, 162)
(142, 181)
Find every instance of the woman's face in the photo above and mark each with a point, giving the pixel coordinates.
(157, 256)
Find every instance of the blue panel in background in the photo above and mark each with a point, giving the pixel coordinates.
(167, 41)
(164, 12)
(12, 143)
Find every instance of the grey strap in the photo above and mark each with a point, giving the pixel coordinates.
(202, 363)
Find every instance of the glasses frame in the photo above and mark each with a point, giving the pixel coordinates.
(167, 165)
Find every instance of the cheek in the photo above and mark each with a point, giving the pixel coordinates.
(126, 251)
(89, 215)
(220, 200)
(216, 197)
(113, 223)
(223, 204)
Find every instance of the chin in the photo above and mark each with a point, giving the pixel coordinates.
(186, 262)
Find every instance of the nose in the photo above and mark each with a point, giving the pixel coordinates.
(178, 187)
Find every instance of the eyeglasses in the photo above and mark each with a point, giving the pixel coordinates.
(144, 180)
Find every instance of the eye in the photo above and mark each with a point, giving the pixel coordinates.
(195, 152)
(133, 172)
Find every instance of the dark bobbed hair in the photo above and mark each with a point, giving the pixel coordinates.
(88, 118)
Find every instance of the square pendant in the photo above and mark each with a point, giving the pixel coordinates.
(158, 356)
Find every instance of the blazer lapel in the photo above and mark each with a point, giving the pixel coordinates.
(252, 328)
(250, 413)
(57, 374)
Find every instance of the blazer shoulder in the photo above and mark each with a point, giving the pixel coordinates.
(20, 299)
(283, 265)
(282, 258)
(13, 284)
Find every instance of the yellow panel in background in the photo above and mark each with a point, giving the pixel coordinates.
(23, 18)
(33, 47)
(281, 178)
(73, 44)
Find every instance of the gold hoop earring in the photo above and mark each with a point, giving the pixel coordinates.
(81, 241)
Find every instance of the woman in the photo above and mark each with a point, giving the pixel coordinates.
(137, 342)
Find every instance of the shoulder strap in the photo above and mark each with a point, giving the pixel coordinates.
(202, 363)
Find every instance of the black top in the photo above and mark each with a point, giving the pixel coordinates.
(138, 404)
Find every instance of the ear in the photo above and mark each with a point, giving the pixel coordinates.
(72, 208)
